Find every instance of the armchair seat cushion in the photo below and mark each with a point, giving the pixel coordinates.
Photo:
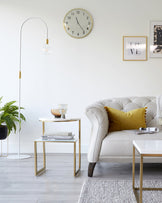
(119, 143)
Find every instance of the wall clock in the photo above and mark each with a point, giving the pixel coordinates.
(78, 23)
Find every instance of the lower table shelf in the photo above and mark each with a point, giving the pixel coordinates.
(72, 141)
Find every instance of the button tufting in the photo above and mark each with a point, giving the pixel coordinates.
(130, 103)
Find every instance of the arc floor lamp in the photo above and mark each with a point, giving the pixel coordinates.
(19, 155)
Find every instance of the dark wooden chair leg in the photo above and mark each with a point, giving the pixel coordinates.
(91, 169)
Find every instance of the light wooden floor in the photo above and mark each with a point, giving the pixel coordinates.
(57, 185)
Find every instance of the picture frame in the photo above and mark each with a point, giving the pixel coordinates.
(156, 39)
(134, 48)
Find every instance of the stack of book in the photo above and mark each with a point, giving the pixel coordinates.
(58, 136)
(148, 130)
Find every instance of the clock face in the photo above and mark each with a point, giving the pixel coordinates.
(78, 23)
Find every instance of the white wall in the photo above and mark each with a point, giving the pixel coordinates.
(79, 71)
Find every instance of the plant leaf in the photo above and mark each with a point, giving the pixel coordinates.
(10, 115)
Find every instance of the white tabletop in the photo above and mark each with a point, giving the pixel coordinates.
(56, 140)
(148, 146)
(58, 119)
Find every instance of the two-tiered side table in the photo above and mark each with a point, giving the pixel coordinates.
(74, 141)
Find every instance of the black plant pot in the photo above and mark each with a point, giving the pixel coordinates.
(3, 132)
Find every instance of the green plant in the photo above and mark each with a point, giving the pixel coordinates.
(9, 115)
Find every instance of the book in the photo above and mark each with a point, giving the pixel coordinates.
(58, 136)
(148, 130)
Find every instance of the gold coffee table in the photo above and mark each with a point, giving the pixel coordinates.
(146, 148)
(72, 141)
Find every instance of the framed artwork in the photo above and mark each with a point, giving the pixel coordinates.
(134, 48)
(156, 39)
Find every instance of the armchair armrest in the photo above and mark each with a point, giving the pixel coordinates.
(99, 120)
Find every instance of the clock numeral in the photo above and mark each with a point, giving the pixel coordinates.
(68, 28)
(66, 23)
(87, 17)
(78, 12)
(83, 14)
(87, 28)
(72, 32)
(83, 32)
(89, 23)
(69, 17)
(78, 34)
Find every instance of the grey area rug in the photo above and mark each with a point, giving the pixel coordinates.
(96, 190)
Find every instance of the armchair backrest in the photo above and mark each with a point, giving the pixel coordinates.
(129, 103)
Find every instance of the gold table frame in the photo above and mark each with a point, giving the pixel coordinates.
(140, 188)
(40, 171)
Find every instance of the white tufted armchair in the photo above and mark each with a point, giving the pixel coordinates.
(117, 146)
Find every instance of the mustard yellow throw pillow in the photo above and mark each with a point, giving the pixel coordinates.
(119, 120)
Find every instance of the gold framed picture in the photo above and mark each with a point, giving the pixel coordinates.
(134, 48)
(156, 39)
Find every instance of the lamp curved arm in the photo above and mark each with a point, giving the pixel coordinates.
(21, 29)
(20, 56)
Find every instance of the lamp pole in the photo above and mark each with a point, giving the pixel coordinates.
(19, 155)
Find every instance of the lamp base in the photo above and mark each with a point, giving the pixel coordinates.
(18, 156)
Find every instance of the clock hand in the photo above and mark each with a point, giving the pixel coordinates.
(79, 24)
